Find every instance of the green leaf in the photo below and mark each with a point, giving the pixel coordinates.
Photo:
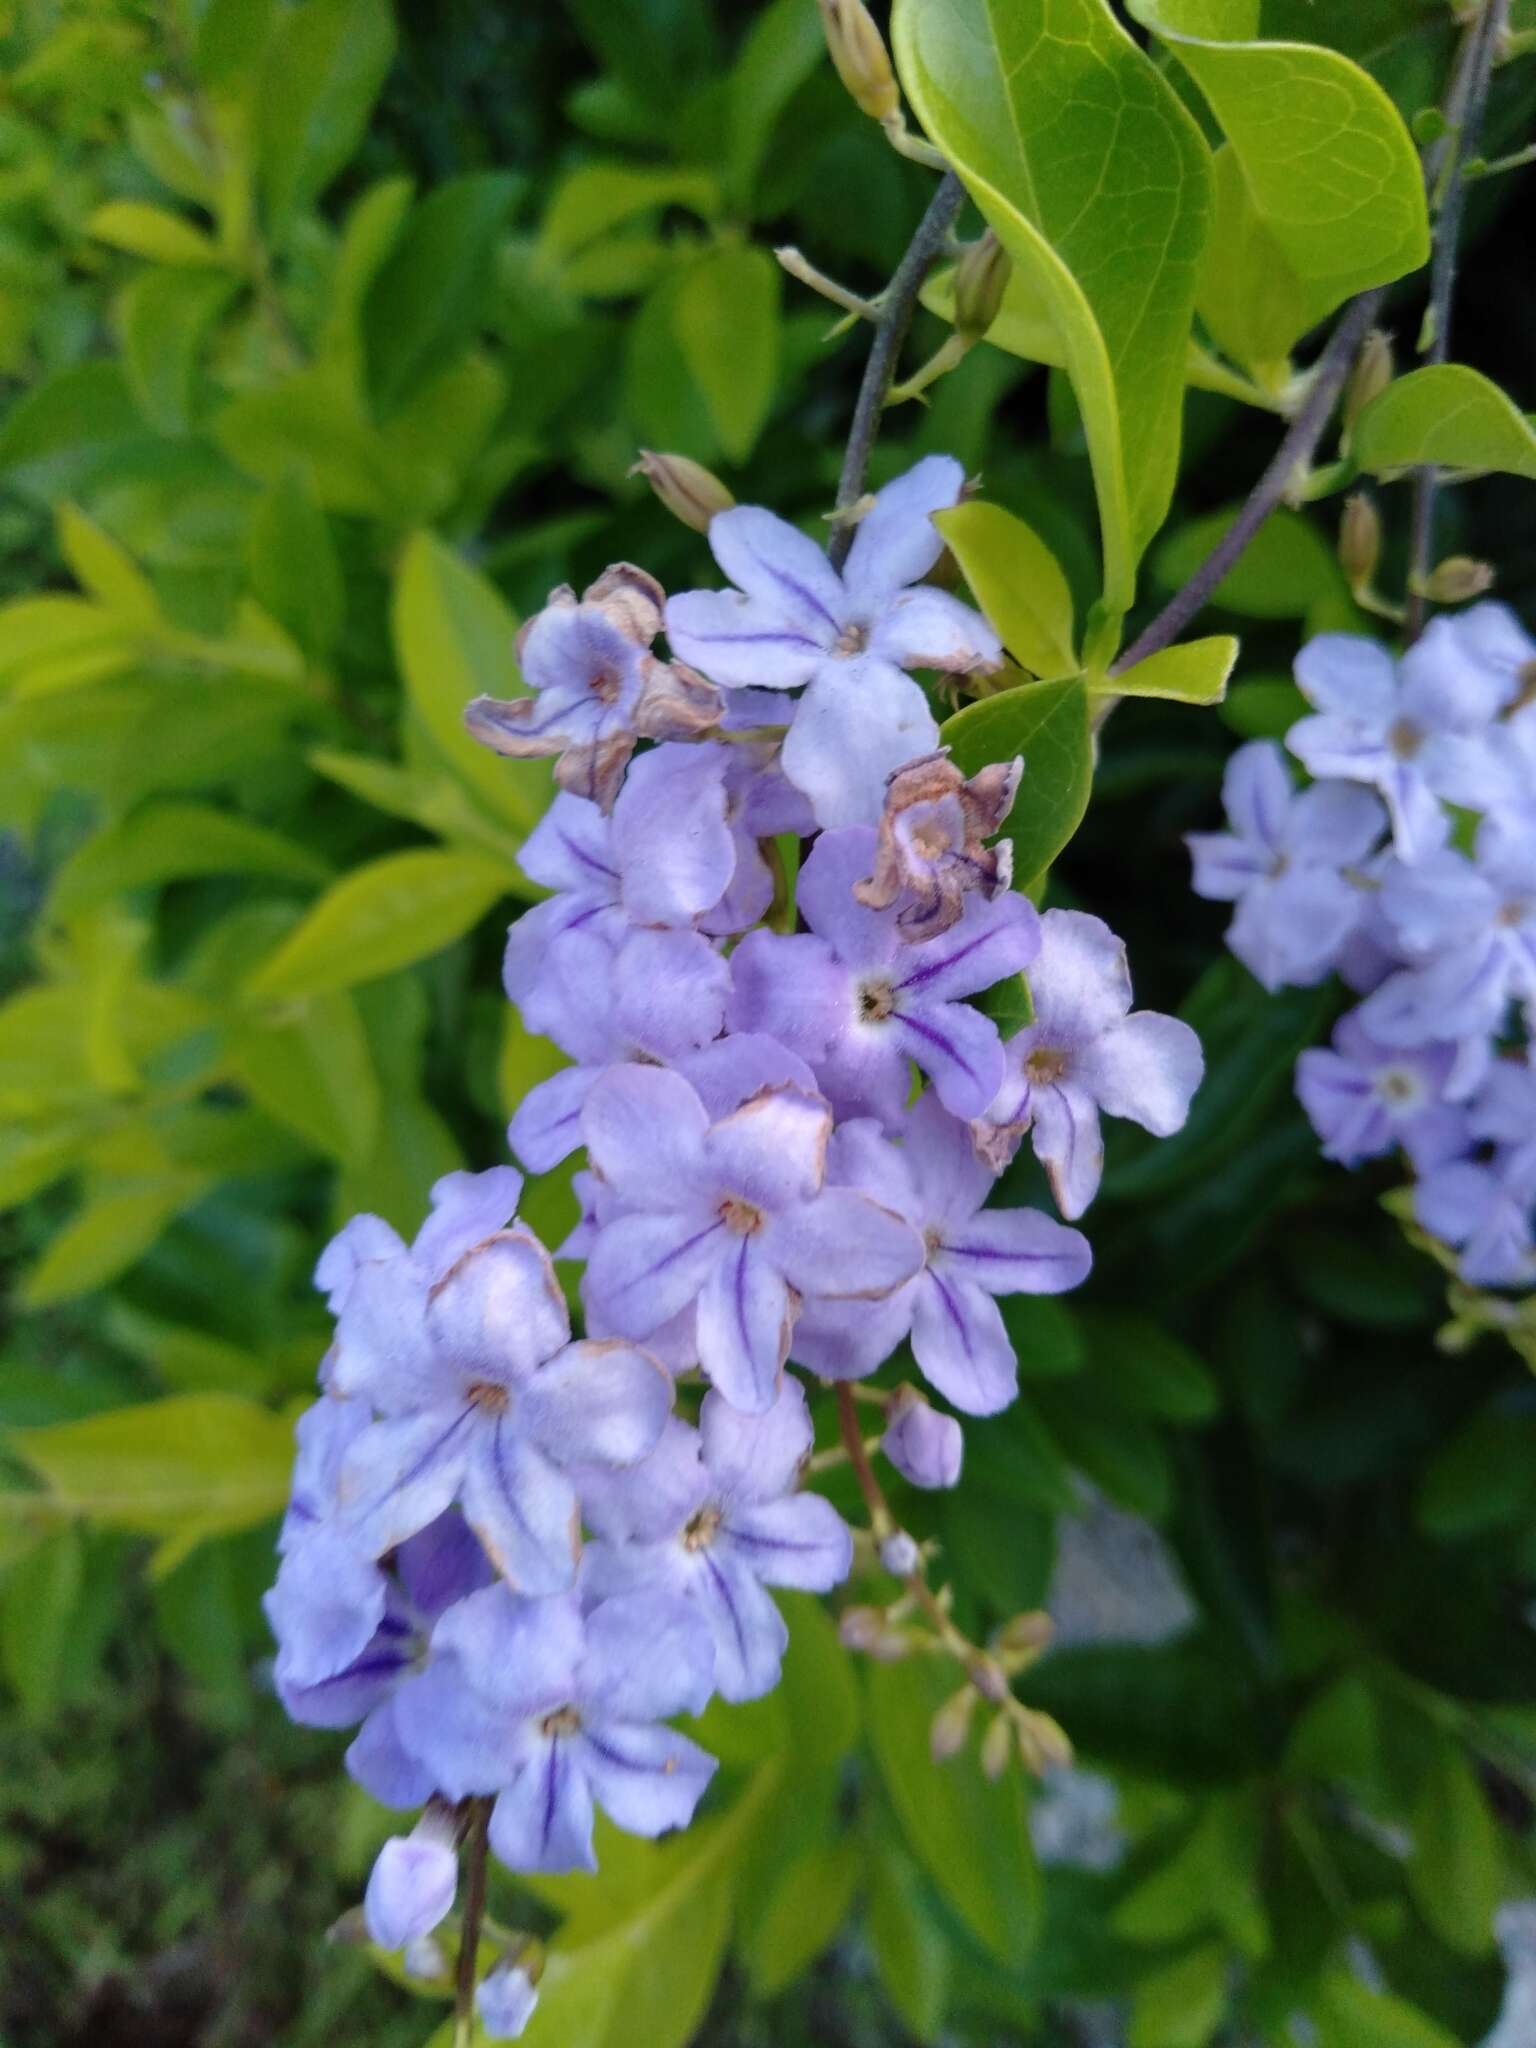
(1263, 709)
(802, 1916)
(1194, 672)
(1349, 2014)
(1485, 1476)
(912, 1954)
(442, 805)
(1330, 168)
(1150, 1371)
(314, 1073)
(379, 918)
(970, 1836)
(106, 570)
(38, 1596)
(112, 1232)
(312, 422)
(1456, 1870)
(293, 565)
(781, 49)
(454, 639)
(166, 842)
(153, 232)
(1252, 301)
(69, 429)
(324, 66)
(1048, 724)
(414, 1146)
(164, 318)
(183, 1469)
(1448, 415)
(1018, 583)
(1097, 182)
(726, 317)
(597, 198)
(1285, 570)
(436, 287)
(1182, 2004)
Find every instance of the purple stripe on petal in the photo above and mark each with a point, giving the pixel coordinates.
(723, 1589)
(921, 973)
(952, 1310)
(420, 1466)
(551, 1790)
(936, 1038)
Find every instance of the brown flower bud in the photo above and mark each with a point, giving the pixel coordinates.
(858, 50)
(997, 1747)
(1457, 579)
(951, 1725)
(981, 277)
(1359, 541)
(1370, 376)
(1031, 1631)
(689, 491)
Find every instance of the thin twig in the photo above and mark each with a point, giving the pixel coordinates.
(1293, 454)
(476, 1846)
(1466, 104)
(897, 304)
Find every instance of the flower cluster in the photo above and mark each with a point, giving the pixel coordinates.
(514, 1555)
(1408, 867)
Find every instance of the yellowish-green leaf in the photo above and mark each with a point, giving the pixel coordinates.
(1048, 724)
(1456, 1872)
(106, 570)
(443, 806)
(454, 639)
(803, 1915)
(1331, 170)
(1194, 672)
(1018, 583)
(912, 1954)
(59, 643)
(111, 1233)
(726, 317)
(1097, 182)
(1251, 298)
(182, 1468)
(382, 917)
(1182, 2004)
(597, 198)
(1285, 570)
(313, 1072)
(1448, 415)
(152, 231)
(168, 841)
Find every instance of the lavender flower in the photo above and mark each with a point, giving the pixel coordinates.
(1364, 1097)
(557, 1712)
(732, 1215)
(1410, 730)
(793, 621)
(972, 1254)
(1087, 1052)
(714, 1514)
(925, 1447)
(858, 1003)
(412, 1883)
(596, 686)
(505, 1999)
(1294, 864)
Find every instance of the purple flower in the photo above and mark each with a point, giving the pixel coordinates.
(792, 620)
(504, 2001)
(1409, 730)
(936, 1181)
(412, 1883)
(924, 1446)
(714, 1514)
(732, 1215)
(1503, 1114)
(1469, 925)
(852, 998)
(1473, 1205)
(596, 686)
(930, 853)
(556, 1713)
(653, 995)
(1364, 1097)
(1085, 1052)
(1293, 863)
(464, 1350)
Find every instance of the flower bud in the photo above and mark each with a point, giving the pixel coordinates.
(689, 491)
(411, 1887)
(1031, 1631)
(951, 1725)
(924, 1446)
(424, 1962)
(1457, 579)
(1359, 541)
(997, 1747)
(860, 1628)
(506, 1996)
(1043, 1743)
(858, 50)
(900, 1555)
(1370, 376)
(988, 1677)
(981, 277)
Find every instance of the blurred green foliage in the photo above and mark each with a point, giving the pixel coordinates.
(329, 332)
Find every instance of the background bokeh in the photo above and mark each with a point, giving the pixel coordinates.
(328, 334)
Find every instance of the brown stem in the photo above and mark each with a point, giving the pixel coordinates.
(1294, 452)
(1465, 106)
(883, 1521)
(476, 1847)
(897, 303)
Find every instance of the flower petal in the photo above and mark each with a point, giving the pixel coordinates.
(500, 1312)
(379, 1761)
(598, 1402)
(523, 1510)
(647, 1656)
(927, 628)
(772, 1152)
(780, 568)
(735, 1068)
(643, 1270)
(647, 1780)
(744, 1323)
(644, 1129)
(674, 846)
(960, 1344)
(843, 1247)
(859, 721)
(800, 1541)
(958, 1048)
(790, 987)
(740, 644)
(994, 938)
(861, 938)
(1068, 1143)
(896, 542)
(671, 991)
(571, 848)
(402, 1473)
(1342, 672)
(1146, 1068)
(746, 1627)
(543, 1819)
(1015, 1251)
(467, 1208)
(756, 1457)
(546, 1127)
(1081, 983)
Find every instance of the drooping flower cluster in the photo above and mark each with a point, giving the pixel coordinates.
(514, 1555)
(1409, 867)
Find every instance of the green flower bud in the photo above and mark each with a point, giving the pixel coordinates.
(858, 51)
(689, 491)
(981, 276)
